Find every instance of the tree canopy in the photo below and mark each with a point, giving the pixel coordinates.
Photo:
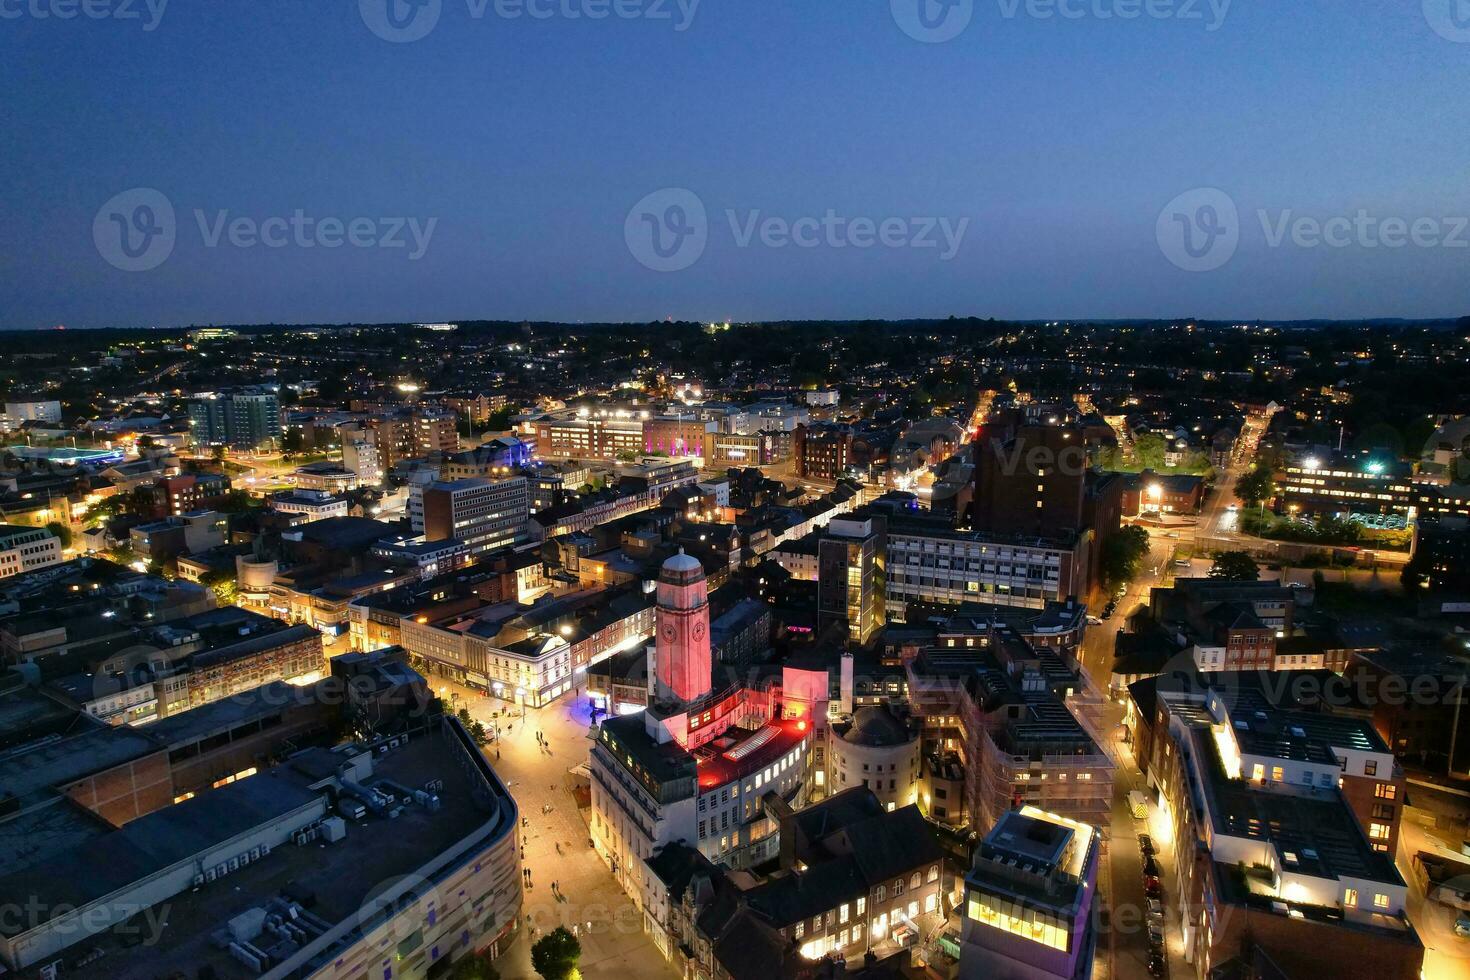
(555, 954)
(1235, 566)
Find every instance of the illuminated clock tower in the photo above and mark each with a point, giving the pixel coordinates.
(682, 659)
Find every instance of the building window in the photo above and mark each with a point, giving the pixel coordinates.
(843, 914)
(1370, 768)
(1380, 901)
(1378, 831)
(1386, 791)
(1350, 897)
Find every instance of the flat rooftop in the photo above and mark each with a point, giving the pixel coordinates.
(740, 752)
(332, 881)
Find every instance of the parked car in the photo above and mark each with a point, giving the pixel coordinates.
(1157, 967)
(1155, 907)
(1155, 934)
(1094, 621)
(1153, 889)
(1150, 866)
(1145, 843)
(1462, 926)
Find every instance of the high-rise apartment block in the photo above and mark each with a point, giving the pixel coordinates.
(244, 419)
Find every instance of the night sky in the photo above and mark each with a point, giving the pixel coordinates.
(520, 167)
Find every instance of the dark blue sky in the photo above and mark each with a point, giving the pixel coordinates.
(527, 142)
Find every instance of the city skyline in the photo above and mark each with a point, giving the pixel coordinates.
(1021, 160)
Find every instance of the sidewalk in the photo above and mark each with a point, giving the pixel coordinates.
(555, 839)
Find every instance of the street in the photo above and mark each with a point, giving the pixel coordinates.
(555, 838)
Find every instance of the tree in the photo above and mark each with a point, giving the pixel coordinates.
(226, 591)
(61, 532)
(1255, 487)
(1235, 566)
(1122, 554)
(474, 966)
(555, 954)
(499, 420)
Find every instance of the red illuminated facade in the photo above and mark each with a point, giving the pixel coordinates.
(683, 667)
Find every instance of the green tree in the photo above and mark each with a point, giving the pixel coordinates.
(474, 966)
(1256, 486)
(1122, 554)
(1235, 566)
(499, 420)
(61, 531)
(226, 590)
(555, 954)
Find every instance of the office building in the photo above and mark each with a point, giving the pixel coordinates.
(823, 451)
(591, 437)
(25, 549)
(244, 420)
(1277, 842)
(851, 575)
(308, 505)
(1029, 896)
(930, 561)
(484, 514)
(1342, 484)
(34, 411)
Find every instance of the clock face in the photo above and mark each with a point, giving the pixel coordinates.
(698, 630)
(669, 632)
